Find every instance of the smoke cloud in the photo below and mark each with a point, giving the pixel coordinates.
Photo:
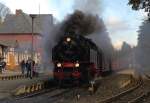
(92, 9)
(83, 21)
(48, 36)
(88, 6)
(125, 57)
(138, 57)
(143, 48)
(90, 26)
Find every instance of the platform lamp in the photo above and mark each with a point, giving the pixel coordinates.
(33, 16)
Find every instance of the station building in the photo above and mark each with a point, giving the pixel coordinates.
(16, 37)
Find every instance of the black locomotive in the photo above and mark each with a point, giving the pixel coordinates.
(78, 58)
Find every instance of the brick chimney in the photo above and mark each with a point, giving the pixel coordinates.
(18, 11)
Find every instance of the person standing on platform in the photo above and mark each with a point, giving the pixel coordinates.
(1, 67)
(23, 66)
(28, 66)
(4, 65)
(33, 68)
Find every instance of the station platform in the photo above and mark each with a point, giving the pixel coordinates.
(10, 73)
(130, 71)
(15, 73)
(7, 87)
(127, 71)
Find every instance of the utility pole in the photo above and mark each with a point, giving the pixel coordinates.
(33, 16)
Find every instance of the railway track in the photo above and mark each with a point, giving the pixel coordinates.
(136, 94)
(35, 94)
(69, 95)
(56, 91)
(56, 95)
(52, 95)
(126, 96)
(143, 98)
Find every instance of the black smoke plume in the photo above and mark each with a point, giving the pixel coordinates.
(81, 23)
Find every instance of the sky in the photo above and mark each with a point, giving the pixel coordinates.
(121, 21)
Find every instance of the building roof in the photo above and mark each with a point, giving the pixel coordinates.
(22, 23)
(8, 43)
(3, 44)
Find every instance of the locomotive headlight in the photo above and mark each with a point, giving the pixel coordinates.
(59, 65)
(77, 65)
(68, 39)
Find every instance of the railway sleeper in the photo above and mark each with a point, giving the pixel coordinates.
(108, 100)
(28, 89)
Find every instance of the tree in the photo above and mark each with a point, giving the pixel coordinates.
(125, 56)
(126, 48)
(141, 4)
(4, 10)
(143, 47)
(135, 4)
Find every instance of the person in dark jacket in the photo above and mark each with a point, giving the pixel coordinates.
(4, 65)
(30, 68)
(1, 67)
(23, 66)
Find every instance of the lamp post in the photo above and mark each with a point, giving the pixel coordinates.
(33, 16)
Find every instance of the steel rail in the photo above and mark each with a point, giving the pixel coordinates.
(115, 97)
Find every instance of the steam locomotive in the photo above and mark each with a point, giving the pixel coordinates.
(78, 58)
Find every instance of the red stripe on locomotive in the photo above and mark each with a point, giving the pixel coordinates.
(68, 64)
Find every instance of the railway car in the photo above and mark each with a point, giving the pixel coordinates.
(77, 58)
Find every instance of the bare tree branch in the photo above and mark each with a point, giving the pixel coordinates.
(4, 10)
